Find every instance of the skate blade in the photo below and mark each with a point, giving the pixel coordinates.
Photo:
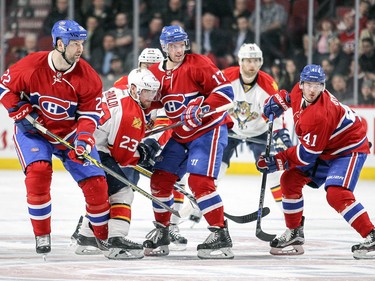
(157, 252)
(364, 254)
(124, 254)
(87, 250)
(223, 253)
(177, 247)
(291, 250)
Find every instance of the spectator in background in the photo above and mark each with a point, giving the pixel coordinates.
(301, 56)
(242, 35)
(175, 10)
(116, 72)
(338, 58)
(152, 34)
(273, 18)
(290, 77)
(123, 35)
(95, 34)
(367, 59)
(340, 89)
(241, 9)
(58, 12)
(102, 55)
(347, 35)
(215, 42)
(364, 8)
(128, 65)
(189, 19)
(328, 70)
(368, 32)
(276, 70)
(326, 30)
(31, 45)
(365, 97)
(103, 12)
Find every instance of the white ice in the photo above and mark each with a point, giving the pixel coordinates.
(327, 248)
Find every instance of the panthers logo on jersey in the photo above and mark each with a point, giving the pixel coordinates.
(243, 114)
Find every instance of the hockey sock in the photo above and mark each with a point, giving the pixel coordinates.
(97, 205)
(343, 201)
(38, 186)
(161, 187)
(208, 199)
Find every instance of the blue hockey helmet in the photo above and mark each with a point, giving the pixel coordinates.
(172, 34)
(313, 73)
(67, 30)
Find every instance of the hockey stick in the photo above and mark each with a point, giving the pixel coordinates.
(238, 219)
(247, 139)
(100, 165)
(180, 123)
(259, 232)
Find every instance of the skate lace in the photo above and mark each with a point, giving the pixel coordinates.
(211, 238)
(154, 235)
(174, 232)
(286, 236)
(370, 239)
(43, 240)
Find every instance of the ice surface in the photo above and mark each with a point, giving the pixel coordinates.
(327, 248)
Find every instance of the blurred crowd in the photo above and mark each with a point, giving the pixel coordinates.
(225, 27)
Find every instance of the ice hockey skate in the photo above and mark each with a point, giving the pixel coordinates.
(178, 242)
(74, 236)
(157, 243)
(365, 250)
(87, 245)
(217, 245)
(290, 242)
(120, 248)
(43, 244)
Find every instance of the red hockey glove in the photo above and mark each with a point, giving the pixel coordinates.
(192, 116)
(277, 104)
(19, 113)
(282, 140)
(271, 164)
(83, 144)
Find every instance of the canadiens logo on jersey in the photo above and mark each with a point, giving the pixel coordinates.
(137, 123)
(54, 108)
(174, 105)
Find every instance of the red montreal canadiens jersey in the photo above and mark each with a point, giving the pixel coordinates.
(196, 76)
(326, 129)
(61, 97)
(122, 127)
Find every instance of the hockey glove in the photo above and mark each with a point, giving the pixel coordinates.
(147, 152)
(271, 164)
(192, 116)
(83, 144)
(19, 113)
(277, 104)
(281, 140)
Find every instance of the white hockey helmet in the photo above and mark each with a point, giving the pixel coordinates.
(150, 55)
(250, 51)
(143, 79)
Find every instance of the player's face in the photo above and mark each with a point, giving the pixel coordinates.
(74, 50)
(311, 90)
(250, 66)
(176, 51)
(146, 97)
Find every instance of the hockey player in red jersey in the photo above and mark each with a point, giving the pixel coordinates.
(62, 92)
(252, 87)
(148, 57)
(191, 86)
(332, 150)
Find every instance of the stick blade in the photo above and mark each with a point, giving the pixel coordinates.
(247, 218)
(264, 236)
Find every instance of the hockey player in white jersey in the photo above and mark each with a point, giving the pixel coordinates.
(119, 135)
(252, 87)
